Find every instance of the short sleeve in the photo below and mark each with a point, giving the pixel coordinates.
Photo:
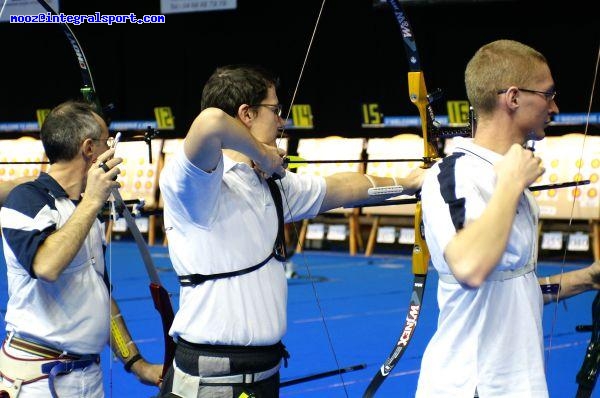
(27, 217)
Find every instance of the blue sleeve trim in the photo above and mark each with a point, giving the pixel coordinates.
(28, 199)
(447, 181)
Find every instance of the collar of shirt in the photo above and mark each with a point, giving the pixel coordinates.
(467, 145)
(229, 164)
(51, 185)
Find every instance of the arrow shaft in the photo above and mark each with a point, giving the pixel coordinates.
(560, 185)
(353, 161)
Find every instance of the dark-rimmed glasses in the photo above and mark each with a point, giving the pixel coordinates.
(275, 108)
(550, 95)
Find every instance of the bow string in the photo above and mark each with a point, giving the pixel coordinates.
(588, 373)
(339, 370)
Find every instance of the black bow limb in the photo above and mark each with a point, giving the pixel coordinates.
(588, 374)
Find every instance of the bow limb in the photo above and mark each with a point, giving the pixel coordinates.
(88, 89)
(160, 296)
(588, 373)
(420, 256)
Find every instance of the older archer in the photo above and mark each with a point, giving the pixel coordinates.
(54, 251)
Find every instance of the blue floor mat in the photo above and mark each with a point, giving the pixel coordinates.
(356, 320)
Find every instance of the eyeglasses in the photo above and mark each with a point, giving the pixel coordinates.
(275, 108)
(109, 141)
(550, 95)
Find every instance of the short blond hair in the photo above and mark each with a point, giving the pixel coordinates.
(496, 66)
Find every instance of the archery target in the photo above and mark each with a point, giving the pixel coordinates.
(566, 158)
(24, 149)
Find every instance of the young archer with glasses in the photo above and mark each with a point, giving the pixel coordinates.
(217, 194)
(481, 226)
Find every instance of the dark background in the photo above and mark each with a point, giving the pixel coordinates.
(357, 55)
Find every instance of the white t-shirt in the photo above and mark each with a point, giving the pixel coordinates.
(489, 338)
(226, 221)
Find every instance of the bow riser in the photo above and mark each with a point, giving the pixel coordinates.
(417, 92)
(420, 254)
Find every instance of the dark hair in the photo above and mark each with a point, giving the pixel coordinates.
(66, 127)
(233, 85)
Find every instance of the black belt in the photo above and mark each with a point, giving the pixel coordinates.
(187, 354)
